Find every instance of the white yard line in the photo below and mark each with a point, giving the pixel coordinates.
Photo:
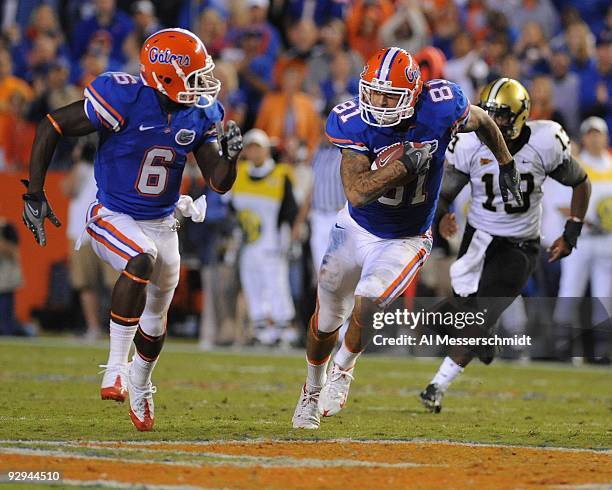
(126, 486)
(229, 459)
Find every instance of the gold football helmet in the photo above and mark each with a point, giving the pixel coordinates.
(508, 103)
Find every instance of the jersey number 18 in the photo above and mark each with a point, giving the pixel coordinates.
(487, 179)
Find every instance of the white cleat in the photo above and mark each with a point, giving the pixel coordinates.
(113, 382)
(335, 391)
(142, 409)
(306, 415)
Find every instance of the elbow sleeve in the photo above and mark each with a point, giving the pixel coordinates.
(569, 173)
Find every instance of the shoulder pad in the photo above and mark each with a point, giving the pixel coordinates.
(109, 96)
(345, 128)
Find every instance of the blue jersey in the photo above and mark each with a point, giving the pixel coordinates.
(143, 149)
(407, 210)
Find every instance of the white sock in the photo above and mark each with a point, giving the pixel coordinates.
(345, 358)
(121, 338)
(140, 373)
(316, 375)
(447, 372)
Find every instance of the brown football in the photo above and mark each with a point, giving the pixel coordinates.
(387, 155)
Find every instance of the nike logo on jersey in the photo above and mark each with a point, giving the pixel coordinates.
(484, 161)
(33, 211)
(378, 150)
(144, 128)
(339, 227)
(382, 162)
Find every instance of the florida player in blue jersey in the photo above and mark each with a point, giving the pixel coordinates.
(147, 127)
(393, 138)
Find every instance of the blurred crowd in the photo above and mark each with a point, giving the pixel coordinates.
(283, 65)
(300, 57)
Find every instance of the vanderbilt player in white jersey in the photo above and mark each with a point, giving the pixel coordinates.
(501, 240)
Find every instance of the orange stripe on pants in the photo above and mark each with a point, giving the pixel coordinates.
(402, 276)
(108, 245)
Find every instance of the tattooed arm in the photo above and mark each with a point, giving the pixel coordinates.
(487, 132)
(361, 185)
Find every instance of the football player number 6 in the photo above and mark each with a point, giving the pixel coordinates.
(153, 176)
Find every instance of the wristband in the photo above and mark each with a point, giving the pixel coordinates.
(55, 124)
(571, 232)
(509, 167)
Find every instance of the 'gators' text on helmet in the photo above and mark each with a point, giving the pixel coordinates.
(176, 63)
(393, 76)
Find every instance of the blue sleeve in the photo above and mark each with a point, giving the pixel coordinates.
(461, 110)
(211, 115)
(343, 134)
(103, 104)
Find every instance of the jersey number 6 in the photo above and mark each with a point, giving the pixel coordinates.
(153, 174)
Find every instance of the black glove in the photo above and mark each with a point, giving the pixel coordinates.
(35, 209)
(571, 232)
(230, 141)
(510, 180)
(416, 157)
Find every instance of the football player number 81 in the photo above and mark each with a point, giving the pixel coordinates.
(346, 110)
(395, 196)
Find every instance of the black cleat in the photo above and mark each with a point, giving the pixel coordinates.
(431, 398)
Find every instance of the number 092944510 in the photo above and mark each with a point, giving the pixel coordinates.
(30, 476)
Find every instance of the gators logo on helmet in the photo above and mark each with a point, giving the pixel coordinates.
(175, 62)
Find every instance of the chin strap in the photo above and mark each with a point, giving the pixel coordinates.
(159, 85)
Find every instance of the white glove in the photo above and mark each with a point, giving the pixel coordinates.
(196, 210)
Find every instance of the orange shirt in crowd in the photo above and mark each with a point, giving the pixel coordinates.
(274, 110)
(11, 84)
(16, 134)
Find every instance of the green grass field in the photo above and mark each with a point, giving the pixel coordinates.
(50, 392)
